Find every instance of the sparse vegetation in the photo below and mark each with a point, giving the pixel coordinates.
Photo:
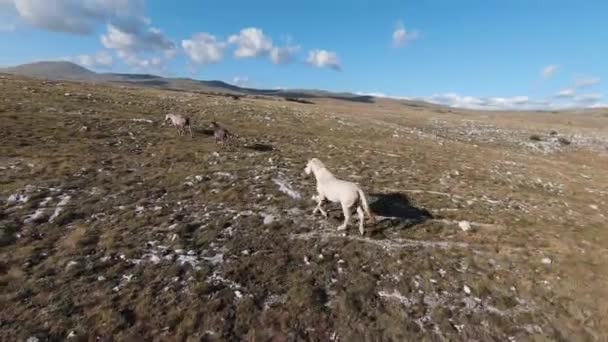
(164, 237)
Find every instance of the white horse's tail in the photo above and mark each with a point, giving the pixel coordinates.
(366, 205)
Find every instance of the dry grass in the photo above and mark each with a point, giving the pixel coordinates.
(162, 238)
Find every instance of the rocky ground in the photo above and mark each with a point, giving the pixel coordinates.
(112, 227)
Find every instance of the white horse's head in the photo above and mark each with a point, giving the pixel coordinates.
(313, 165)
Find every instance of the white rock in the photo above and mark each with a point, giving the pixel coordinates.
(593, 206)
(546, 261)
(17, 198)
(101, 278)
(32, 339)
(238, 294)
(466, 289)
(268, 219)
(464, 225)
(154, 259)
(71, 264)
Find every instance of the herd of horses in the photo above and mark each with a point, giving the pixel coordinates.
(181, 123)
(329, 188)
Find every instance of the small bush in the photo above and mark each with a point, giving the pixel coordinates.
(535, 137)
(564, 141)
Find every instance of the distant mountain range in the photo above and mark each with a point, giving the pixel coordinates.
(74, 72)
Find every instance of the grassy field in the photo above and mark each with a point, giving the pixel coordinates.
(491, 226)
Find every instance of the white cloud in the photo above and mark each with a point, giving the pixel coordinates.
(323, 59)
(250, 42)
(598, 105)
(100, 60)
(487, 103)
(401, 37)
(139, 48)
(240, 81)
(588, 98)
(128, 32)
(283, 55)
(549, 71)
(585, 81)
(203, 48)
(79, 17)
(135, 61)
(566, 93)
(136, 40)
(512, 103)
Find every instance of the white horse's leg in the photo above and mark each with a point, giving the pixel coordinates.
(347, 215)
(320, 199)
(361, 219)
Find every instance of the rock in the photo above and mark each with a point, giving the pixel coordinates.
(593, 206)
(17, 198)
(32, 339)
(71, 264)
(546, 261)
(464, 225)
(37, 217)
(466, 289)
(84, 129)
(268, 219)
(67, 94)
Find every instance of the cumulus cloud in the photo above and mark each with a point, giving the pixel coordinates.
(151, 39)
(283, 55)
(373, 93)
(566, 93)
(79, 17)
(240, 81)
(485, 103)
(139, 63)
(585, 81)
(139, 48)
(250, 42)
(323, 59)
(588, 98)
(100, 60)
(127, 29)
(204, 48)
(515, 102)
(548, 71)
(401, 36)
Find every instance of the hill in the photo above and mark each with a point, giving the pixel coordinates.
(490, 226)
(71, 71)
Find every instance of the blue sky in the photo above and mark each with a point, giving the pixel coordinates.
(469, 53)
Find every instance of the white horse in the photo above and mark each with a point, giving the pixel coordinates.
(180, 123)
(336, 190)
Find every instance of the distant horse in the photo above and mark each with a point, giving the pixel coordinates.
(221, 134)
(180, 123)
(347, 193)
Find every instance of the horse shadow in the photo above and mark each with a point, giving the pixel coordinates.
(395, 210)
(207, 132)
(260, 147)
